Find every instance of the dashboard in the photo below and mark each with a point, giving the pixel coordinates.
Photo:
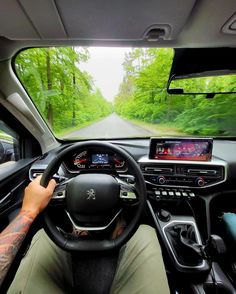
(219, 168)
(170, 162)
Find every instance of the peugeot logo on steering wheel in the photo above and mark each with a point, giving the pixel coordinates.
(91, 194)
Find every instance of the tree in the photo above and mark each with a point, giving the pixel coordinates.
(143, 96)
(60, 90)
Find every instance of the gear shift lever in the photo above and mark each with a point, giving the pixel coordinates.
(183, 240)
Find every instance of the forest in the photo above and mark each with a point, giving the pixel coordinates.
(143, 96)
(68, 98)
(64, 95)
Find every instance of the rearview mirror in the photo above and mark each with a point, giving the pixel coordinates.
(203, 83)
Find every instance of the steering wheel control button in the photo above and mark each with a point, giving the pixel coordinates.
(130, 180)
(61, 194)
(126, 192)
(128, 195)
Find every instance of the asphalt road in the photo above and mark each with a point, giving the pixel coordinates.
(112, 126)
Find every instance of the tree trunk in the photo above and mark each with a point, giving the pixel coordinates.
(73, 110)
(49, 87)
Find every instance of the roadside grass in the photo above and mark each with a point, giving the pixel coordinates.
(159, 129)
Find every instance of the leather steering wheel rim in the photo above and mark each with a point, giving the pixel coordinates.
(95, 245)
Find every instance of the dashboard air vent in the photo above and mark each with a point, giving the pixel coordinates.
(35, 173)
(157, 169)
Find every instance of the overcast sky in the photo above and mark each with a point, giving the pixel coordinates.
(105, 66)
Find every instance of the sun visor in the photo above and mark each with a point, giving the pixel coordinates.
(200, 60)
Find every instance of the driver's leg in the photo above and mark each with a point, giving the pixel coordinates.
(45, 269)
(140, 266)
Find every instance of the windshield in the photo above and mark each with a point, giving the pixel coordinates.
(86, 93)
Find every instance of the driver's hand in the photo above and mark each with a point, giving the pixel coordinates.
(36, 197)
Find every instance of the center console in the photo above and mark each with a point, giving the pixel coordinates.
(176, 172)
(181, 238)
(185, 163)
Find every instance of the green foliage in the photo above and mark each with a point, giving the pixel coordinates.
(67, 98)
(209, 84)
(64, 95)
(143, 96)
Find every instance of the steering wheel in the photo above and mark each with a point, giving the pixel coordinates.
(94, 200)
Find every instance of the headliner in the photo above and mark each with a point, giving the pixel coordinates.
(182, 23)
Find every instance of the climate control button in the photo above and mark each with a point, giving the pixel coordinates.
(161, 180)
(200, 182)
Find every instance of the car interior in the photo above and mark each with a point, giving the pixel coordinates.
(183, 184)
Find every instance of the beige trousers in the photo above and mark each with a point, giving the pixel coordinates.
(47, 269)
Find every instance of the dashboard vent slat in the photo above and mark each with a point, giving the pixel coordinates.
(157, 169)
(202, 172)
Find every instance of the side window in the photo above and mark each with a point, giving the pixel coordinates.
(9, 145)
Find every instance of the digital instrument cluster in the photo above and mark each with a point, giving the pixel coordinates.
(95, 160)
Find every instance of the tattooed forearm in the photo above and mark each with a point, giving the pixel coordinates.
(11, 239)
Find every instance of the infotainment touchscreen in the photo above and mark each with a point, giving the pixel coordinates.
(199, 149)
